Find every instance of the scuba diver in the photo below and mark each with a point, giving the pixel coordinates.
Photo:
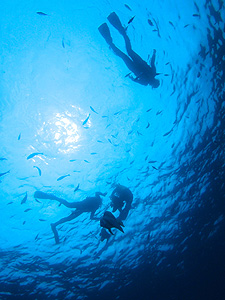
(144, 73)
(121, 200)
(90, 204)
(121, 196)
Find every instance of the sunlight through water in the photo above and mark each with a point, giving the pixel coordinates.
(77, 119)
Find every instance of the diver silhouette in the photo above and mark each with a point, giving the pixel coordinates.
(144, 73)
(121, 196)
(89, 204)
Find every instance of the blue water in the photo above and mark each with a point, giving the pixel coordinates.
(166, 145)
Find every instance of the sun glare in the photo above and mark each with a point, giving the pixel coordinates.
(61, 131)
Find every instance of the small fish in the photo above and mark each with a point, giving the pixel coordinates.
(1, 174)
(85, 121)
(159, 112)
(131, 20)
(92, 153)
(104, 116)
(196, 6)
(148, 110)
(71, 160)
(110, 141)
(139, 133)
(63, 43)
(34, 154)
(77, 188)
(19, 136)
(24, 199)
(37, 200)
(147, 125)
(76, 171)
(130, 132)
(61, 177)
(137, 119)
(186, 25)
(24, 222)
(40, 13)
(152, 161)
(39, 170)
(42, 220)
(99, 141)
(26, 210)
(128, 7)
(3, 158)
(93, 110)
(36, 236)
(150, 22)
(156, 30)
(86, 161)
(154, 168)
(10, 202)
(196, 15)
(171, 24)
(168, 132)
(117, 113)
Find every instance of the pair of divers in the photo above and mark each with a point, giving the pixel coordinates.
(144, 74)
(121, 200)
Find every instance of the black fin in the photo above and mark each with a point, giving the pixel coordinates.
(115, 21)
(104, 30)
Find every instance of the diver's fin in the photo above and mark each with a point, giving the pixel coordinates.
(115, 21)
(110, 231)
(104, 30)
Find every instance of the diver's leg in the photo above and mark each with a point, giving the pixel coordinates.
(49, 196)
(135, 57)
(104, 30)
(42, 195)
(61, 221)
(66, 203)
(129, 63)
(72, 216)
(115, 21)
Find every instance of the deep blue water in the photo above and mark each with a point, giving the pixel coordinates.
(165, 144)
